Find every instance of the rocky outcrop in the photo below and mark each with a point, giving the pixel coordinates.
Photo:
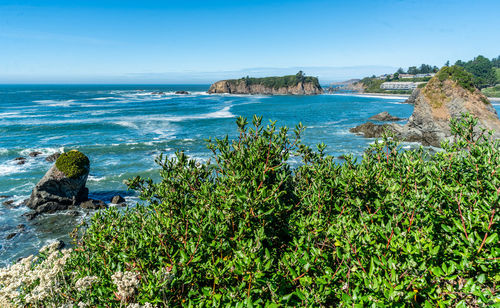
(240, 87)
(287, 85)
(383, 117)
(447, 95)
(62, 186)
(182, 92)
(413, 97)
(371, 130)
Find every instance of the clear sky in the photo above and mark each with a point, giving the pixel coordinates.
(96, 41)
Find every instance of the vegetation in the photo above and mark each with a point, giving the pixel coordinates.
(482, 70)
(372, 85)
(492, 91)
(398, 228)
(73, 164)
(457, 74)
(278, 82)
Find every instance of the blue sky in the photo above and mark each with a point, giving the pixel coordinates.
(200, 41)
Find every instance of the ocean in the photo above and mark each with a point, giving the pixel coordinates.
(123, 128)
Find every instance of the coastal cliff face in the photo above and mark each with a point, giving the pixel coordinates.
(242, 87)
(447, 95)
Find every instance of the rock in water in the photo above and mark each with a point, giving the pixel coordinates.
(447, 95)
(182, 92)
(384, 116)
(371, 130)
(63, 185)
(117, 199)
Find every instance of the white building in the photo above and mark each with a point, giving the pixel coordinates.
(404, 85)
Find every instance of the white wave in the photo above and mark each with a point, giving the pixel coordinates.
(44, 151)
(92, 178)
(126, 124)
(55, 103)
(103, 98)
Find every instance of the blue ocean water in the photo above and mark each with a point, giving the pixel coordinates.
(122, 128)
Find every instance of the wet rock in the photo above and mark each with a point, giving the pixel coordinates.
(34, 154)
(384, 116)
(93, 204)
(20, 160)
(182, 92)
(371, 130)
(30, 215)
(8, 203)
(158, 93)
(117, 199)
(341, 157)
(21, 226)
(4, 197)
(73, 213)
(52, 157)
(59, 189)
(11, 235)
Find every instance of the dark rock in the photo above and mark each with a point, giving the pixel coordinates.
(20, 160)
(21, 226)
(8, 203)
(8, 237)
(341, 157)
(34, 154)
(182, 92)
(371, 130)
(73, 213)
(4, 196)
(31, 215)
(158, 93)
(52, 157)
(93, 204)
(56, 191)
(117, 199)
(384, 116)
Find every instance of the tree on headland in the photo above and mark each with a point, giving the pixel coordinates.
(400, 71)
(300, 76)
(447, 63)
(482, 69)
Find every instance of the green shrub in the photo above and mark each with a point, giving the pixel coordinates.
(395, 228)
(459, 75)
(73, 163)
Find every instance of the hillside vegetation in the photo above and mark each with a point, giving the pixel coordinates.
(398, 228)
(278, 82)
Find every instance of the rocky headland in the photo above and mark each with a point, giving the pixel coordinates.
(447, 95)
(298, 84)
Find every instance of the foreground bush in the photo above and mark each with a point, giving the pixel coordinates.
(401, 228)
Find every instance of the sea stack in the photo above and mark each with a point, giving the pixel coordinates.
(298, 84)
(62, 186)
(449, 94)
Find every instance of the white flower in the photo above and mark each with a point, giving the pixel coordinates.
(127, 283)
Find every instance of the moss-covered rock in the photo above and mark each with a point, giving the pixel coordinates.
(73, 164)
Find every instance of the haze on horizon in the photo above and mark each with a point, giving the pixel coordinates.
(92, 41)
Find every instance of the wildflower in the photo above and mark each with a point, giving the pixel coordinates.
(85, 283)
(127, 283)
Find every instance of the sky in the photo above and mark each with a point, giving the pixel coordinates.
(143, 41)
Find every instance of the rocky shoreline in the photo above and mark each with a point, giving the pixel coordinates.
(443, 98)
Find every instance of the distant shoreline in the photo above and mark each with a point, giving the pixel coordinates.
(376, 95)
(396, 96)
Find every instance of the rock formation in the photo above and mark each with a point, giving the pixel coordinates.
(384, 116)
(62, 186)
(286, 85)
(449, 94)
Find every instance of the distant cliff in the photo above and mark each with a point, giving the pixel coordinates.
(286, 85)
